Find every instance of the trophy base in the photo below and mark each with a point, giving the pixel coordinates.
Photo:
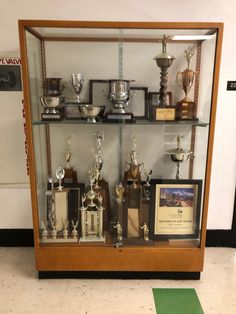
(70, 176)
(186, 110)
(58, 240)
(51, 116)
(127, 116)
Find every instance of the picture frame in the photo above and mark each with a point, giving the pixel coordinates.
(138, 102)
(175, 208)
(71, 110)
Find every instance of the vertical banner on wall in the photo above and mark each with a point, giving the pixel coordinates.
(10, 74)
(26, 141)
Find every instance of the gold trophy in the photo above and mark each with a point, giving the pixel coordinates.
(186, 108)
(134, 168)
(70, 173)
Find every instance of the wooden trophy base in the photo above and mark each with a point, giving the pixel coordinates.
(186, 110)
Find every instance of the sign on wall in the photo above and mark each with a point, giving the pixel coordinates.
(10, 74)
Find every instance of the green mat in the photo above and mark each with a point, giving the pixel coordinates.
(177, 301)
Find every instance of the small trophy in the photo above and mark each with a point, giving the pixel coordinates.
(54, 231)
(145, 232)
(119, 93)
(44, 230)
(77, 80)
(60, 173)
(98, 158)
(147, 185)
(65, 230)
(134, 168)
(74, 231)
(178, 155)
(70, 174)
(186, 108)
(118, 228)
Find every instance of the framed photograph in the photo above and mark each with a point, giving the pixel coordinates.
(138, 102)
(72, 111)
(99, 93)
(175, 209)
(10, 74)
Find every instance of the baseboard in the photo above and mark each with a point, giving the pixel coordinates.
(24, 237)
(16, 237)
(221, 238)
(118, 275)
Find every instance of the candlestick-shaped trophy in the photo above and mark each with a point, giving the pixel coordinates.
(186, 109)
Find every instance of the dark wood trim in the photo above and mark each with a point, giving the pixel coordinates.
(118, 275)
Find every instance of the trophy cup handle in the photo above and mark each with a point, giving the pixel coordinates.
(142, 166)
(41, 98)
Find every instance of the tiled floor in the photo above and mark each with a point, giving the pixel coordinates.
(22, 292)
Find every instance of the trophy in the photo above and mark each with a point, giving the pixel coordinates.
(50, 105)
(134, 168)
(77, 80)
(147, 185)
(119, 93)
(53, 89)
(186, 108)
(92, 214)
(164, 61)
(119, 193)
(60, 173)
(178, 155)
(145, 232)
(70, 174)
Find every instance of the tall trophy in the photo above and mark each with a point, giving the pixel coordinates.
(134, 168)
(100, 184)
(91, 214)
(119, 94)
(77, 80)
(186, 109)
(179, 155)
(164, 61)
(52, 100)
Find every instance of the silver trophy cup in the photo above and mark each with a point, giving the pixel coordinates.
(77, 80)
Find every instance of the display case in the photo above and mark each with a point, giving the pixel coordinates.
(120, 124)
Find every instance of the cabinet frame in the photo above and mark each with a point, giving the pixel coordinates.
(169, 257)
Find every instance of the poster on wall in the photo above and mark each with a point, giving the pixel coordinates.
(10, 74)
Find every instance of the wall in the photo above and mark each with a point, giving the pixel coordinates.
(16, 198)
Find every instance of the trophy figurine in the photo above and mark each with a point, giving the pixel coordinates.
(164, 61)
(147, 185)
(186, 108)
(68, 153)
(119, 94)
(44, 230)
(74, 231)
(145, 232)
(118, 228)
(119, 193)
(98, 158)
(60, 173)
(77, 80)
(178, 155)
(65, 230)
(134, 168)
(54, 231)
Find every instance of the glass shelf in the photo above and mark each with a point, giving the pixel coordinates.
(136, 122)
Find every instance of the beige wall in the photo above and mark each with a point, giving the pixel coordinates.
(15, 197)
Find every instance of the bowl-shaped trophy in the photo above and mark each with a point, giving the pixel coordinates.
(119, 93)
(186, 108)
(77, 80)
(50, 105)
(179, 155)
(164, 61)
(91, 112)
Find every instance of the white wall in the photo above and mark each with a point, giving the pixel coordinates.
(16, 203)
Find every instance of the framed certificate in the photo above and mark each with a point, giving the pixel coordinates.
(175, 209)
